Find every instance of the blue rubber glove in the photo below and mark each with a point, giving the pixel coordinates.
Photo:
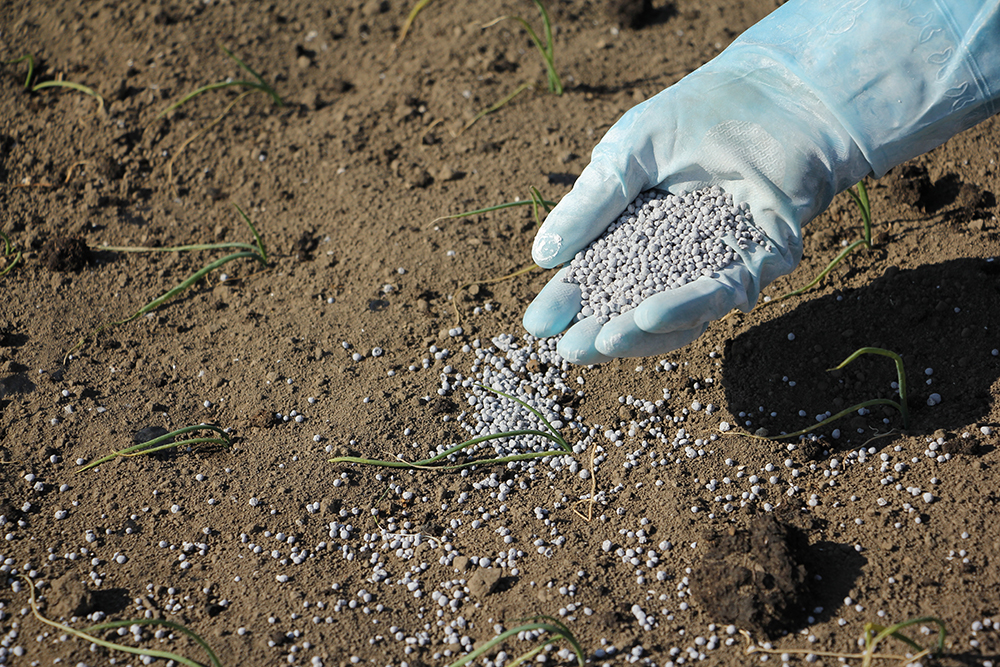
(802, 106)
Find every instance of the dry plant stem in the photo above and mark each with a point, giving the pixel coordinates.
(410, 18)
(545, 623)
(164, 442)
(75, 86)
(873, 635)
(87, 634)
(187, 142)
(519, 272)
(536, 201)
(593, 489)
(517, 91)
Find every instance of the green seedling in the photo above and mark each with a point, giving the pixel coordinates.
(166, 441)
(861, 199)
(901, 406)
(435, 462)
(534, 623)
(52, 84)
(546, 50)
(536, 202)
(497, 106)
(411, 17)
(247, 250)
(872, 637)
(259, 85)
(90, 634)
(8, 251)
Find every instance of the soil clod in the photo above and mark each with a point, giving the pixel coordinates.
(65, 253)
(754, 578)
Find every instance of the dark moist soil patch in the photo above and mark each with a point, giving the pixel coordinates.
(755, 578)
(65, 253)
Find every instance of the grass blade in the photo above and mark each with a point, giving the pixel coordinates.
(263, 84)
(538, 414)
(524, 202)
(549, 625)
(864, 206)
(8, 250)
(156, 444)
(517, 91)
(75, 86)
(257, 252)
(31, 67)
(256, 235)
(900, 375)
(555, 83)
(429, 463)
(410, 18)
(180, 248)
(260, 85)
(901, 406)
(861, 199)
(87, 636)
(209, 87)
(875, 633)
(155, 621)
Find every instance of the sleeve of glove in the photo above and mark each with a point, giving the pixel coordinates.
(902, 77)
(800, 107)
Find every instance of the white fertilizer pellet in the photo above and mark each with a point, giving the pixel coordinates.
(660, 242)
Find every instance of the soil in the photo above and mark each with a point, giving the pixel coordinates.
(689, 538)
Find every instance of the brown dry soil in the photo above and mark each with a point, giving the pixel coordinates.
(345, 182)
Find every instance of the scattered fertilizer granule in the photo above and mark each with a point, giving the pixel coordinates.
(660, 242)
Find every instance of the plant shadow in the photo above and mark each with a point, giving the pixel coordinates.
(940, 318)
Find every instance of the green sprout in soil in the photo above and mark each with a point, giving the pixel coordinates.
(259, 85)
(411, 17)
(9, 251)
(864, 206)
(536, 202)
(254, 250)
(58, 83)
(900, 406)
(90, 634)
(166, 441)
(444, 460)
(546, 50)
(532, 624)
(872, 637)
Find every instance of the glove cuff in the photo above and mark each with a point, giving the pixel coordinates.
(901, 78)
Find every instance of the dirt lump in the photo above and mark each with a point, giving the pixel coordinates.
(754, 578)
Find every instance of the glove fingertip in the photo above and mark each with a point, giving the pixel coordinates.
(577, 345)
(554, 308)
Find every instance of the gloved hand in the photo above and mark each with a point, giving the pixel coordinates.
(800, 107)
